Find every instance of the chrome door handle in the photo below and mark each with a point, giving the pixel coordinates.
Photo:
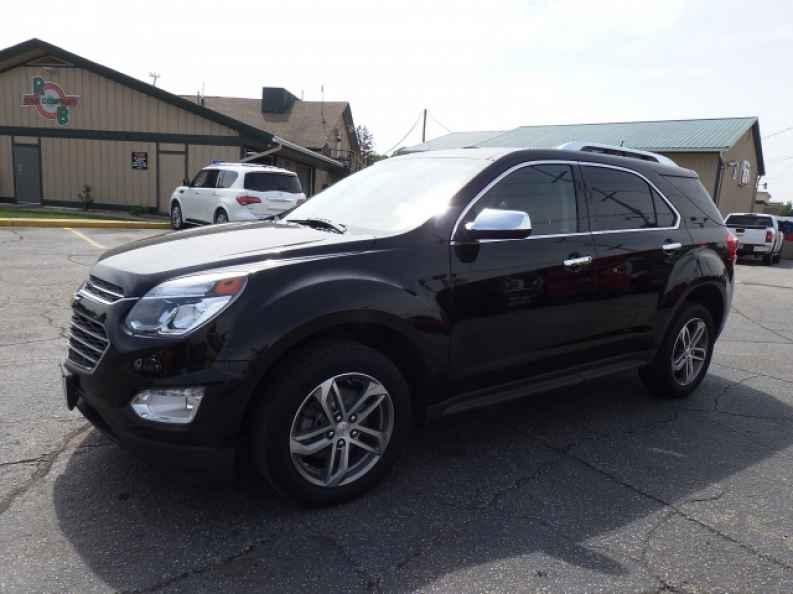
(576, 262)
(671, 247)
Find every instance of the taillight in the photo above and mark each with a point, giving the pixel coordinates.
(246, 200)
(769, 235)
(732, 247)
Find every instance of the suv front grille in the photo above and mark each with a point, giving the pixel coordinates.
(103, 290)
(87, 339)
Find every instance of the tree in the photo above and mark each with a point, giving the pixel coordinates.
(787, 210)
(366, 142)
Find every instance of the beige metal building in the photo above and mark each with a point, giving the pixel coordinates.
(67, 122)
(727, 153)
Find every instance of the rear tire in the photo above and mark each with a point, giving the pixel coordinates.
(177, 222)
(340, 374)
(768, 260)
(666, 377)
(221, 217)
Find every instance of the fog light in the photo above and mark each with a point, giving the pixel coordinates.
(168, 405)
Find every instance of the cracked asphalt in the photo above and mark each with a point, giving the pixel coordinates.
(595, 489)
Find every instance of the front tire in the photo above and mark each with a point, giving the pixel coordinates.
(682, 362)
(331, 422)
(177, 221)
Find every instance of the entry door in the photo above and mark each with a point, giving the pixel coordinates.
(171, 171)
(27, 170)
(523, 307)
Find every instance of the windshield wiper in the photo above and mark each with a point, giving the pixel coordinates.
(326, 224)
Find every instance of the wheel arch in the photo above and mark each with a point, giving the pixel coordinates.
(376, 330)
(219, 208)
(711, 296)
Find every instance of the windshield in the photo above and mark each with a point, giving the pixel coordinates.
(272, 182)
(392, 196)
(749, 221)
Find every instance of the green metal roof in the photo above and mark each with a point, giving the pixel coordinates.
(668, 136)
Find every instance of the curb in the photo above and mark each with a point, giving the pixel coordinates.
(88, 223)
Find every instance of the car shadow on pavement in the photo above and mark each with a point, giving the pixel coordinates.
(553, 491)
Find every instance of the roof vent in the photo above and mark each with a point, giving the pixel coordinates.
(277, 100)
(618, 151)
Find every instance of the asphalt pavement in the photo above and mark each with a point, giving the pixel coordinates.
(598, 488)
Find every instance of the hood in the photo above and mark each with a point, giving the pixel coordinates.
(139, 265)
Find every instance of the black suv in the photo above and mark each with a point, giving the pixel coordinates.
(424, 285)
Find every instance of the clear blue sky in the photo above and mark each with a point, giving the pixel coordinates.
(475, 65)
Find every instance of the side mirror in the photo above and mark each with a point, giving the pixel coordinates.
(493, 223)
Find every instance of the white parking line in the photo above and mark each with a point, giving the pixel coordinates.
(86, 238)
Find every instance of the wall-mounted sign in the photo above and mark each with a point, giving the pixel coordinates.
(50, 101)
(140, 160)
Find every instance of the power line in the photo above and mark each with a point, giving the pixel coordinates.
(413, 127)
(778, 132)
(432, 117)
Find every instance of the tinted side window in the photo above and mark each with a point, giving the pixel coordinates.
(206, 178)
(226, 179)
(694, 199)
(619, 200)
(545, 192)
(272, 182)
(200, 179)
(664, 216)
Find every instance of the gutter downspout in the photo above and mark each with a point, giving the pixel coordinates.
(269, 151)
(719, 176)
(754, 193)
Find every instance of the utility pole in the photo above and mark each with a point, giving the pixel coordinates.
(154, 76)
(424, 127)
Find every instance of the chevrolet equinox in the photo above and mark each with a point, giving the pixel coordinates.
(423, 285)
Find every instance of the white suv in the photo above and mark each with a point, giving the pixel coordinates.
(226, 192)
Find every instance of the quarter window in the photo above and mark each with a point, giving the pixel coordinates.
(621, 200)
(545, 192)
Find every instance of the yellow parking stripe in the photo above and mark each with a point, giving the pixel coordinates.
(86, 238)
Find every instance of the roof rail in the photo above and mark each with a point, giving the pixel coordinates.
(619, 151)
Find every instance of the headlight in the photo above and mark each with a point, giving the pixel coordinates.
(183, 304)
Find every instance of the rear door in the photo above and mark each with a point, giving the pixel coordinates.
(638, 240)
(277, 191)
(224, 192)
(519, 309)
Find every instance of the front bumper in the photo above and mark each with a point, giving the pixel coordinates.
(131, 364)
(209, 444)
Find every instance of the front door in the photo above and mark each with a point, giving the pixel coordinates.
(198, 201)
(522, 307)
(27, 173)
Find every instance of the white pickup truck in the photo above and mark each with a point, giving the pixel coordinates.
(758, 235)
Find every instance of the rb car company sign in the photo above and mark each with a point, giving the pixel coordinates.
(50, 101)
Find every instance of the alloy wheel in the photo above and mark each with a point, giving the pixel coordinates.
(690, 351)
(221, 218)
(341, 429)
